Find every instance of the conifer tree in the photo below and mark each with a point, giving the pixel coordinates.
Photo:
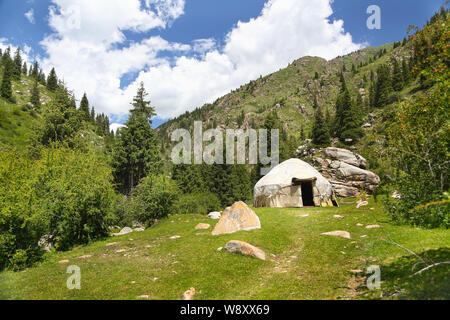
(35, 71)
(41, 78)
(405, 72)
(320, 134)
(84, 109)
(35, 96)
(383, 87)
(17, 68)
(397, 76)
(25, 69)
(93, 115)
(52, 81)
(136, 153)
(5, 88)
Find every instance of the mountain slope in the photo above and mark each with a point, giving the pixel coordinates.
(291, 92)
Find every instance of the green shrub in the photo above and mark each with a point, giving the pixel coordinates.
(65, 193)
(154, 198)
(198, 203)
(76, 192)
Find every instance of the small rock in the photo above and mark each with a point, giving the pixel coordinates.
(375, 226)
(336, 216)
(304, 215)
(343, 234)
(121, 250)
(245, 249)
(133, 282)
(359, 225)
(111, 244)
(85, 256)
(220, 249)
(361, 204)
(63, 261)
(214, 215)
(175, 237)
(144, 296)
(189, 294)
(154, 279)
(125, 230)
(202, 226)
(140, 229)
(356, 271)
(363, 236)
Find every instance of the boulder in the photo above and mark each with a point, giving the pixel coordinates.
(236, 218)
(125, 230)
(342, 234)
(214, 215)
(346, 156)
(235, 246)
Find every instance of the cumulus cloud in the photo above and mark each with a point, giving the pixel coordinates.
(30, 16)
(88, 50)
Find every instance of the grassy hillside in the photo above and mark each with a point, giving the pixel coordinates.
(18, 119)
(301, 263)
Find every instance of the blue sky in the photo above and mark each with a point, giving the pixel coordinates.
(189, 52)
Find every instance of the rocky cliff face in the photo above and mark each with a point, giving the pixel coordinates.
(345, 169)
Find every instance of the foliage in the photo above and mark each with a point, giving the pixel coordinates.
(154, 198)
(65, 193)
(320, 133)
(420, 134)
(198, 203)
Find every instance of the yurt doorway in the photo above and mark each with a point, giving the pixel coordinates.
(307, 194)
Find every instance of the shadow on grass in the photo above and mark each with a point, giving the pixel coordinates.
(398, 281)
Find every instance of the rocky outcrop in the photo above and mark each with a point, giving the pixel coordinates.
(345, 169)
(235, 218)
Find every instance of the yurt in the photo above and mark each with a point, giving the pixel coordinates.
(293, 184)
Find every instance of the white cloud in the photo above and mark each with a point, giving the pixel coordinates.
(116, 126)
(30, 16)
(85, 50)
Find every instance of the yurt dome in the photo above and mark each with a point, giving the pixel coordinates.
(293, 184)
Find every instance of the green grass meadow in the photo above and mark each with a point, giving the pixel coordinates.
(300, 262)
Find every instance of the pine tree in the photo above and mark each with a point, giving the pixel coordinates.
(34, 73)
(41, 78)
(383, 87)
(25, 69)
(142, 106)
(135, 153)
(84, 109)
(315, 104)
(397, 76)
(35, 99)
(6, 89)
(17, 68)
(343, 83)
(405, 72)
(93, 115)
(52, 81)
(320, 134)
